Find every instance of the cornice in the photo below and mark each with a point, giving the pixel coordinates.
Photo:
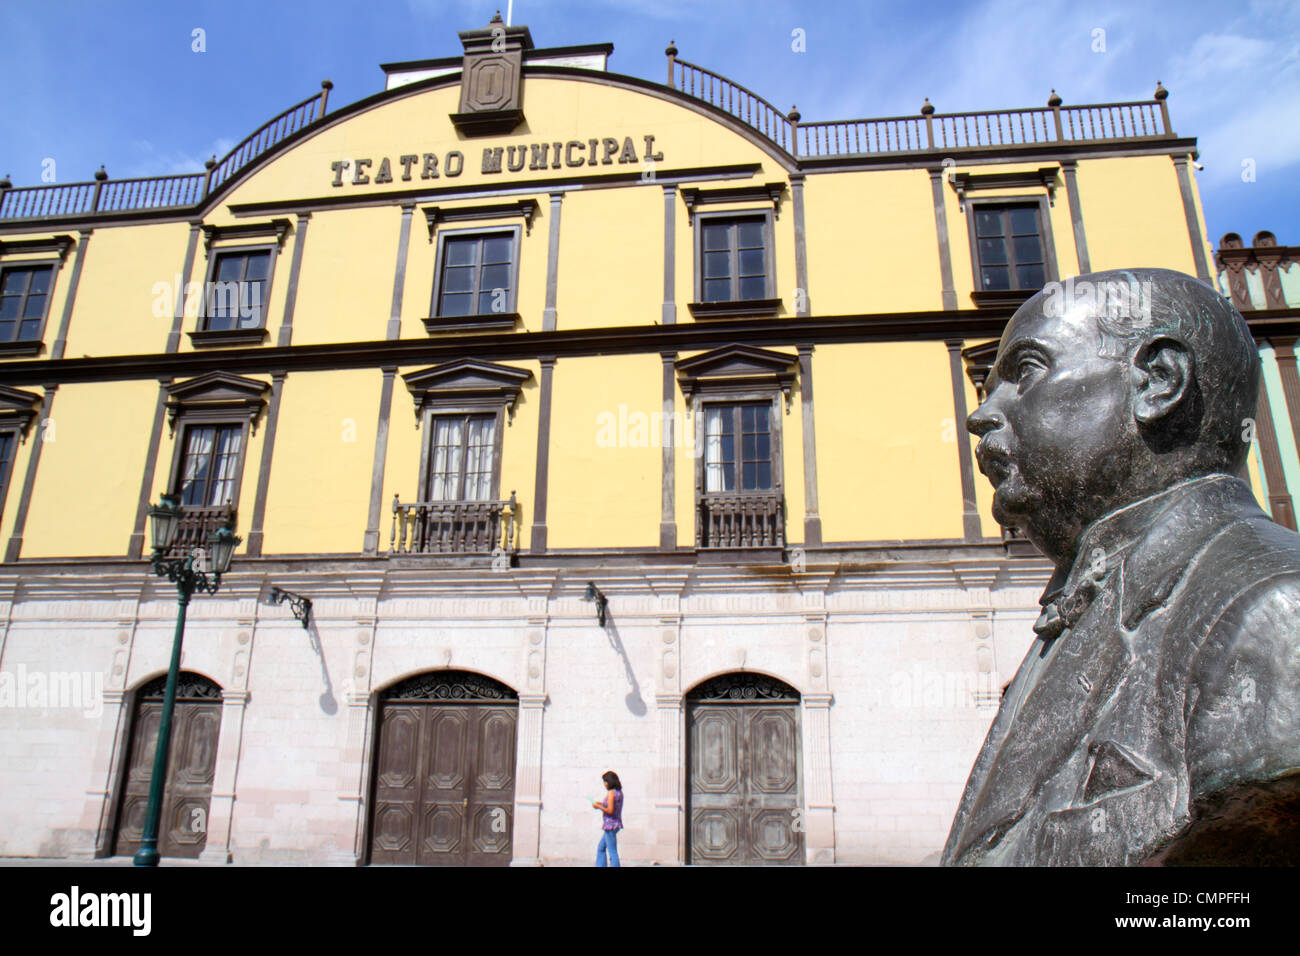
(334, 580)
(937, 325)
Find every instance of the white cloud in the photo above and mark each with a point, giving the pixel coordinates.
(149, 160)
(1240, 95)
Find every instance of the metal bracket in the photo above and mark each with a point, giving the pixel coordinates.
(301, 606)
(593, 594)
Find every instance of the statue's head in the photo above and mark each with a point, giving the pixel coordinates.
(1110, 387)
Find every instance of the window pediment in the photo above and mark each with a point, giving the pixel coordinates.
(772, 193)
(18, 408)
(466, 383)
(216, 395)
(525, 209)
(979, 363)
(25, 247)
(736, 367)
(277, 228)
(1042, 178)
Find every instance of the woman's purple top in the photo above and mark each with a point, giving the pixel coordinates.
(613, 821)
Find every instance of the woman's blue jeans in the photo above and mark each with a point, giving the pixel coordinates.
(608, 842)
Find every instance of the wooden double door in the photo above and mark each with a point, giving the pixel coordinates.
(191, 767)
(444, 784)
(744, 792)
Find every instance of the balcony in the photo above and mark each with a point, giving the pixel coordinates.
(729, 520)
(196, 524)
(454, 527)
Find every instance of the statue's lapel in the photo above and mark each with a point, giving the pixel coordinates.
(1056, 711)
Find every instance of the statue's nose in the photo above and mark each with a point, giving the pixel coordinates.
(984, 420)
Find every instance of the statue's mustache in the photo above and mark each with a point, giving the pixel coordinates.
(994, 461)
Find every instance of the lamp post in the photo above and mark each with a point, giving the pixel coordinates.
(164, 523)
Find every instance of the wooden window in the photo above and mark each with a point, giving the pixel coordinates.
(210, 465)
(478, 273)
(462, 407)
(738, 447)
(1010, 247)
(739, 499)
(237, 290)
(24, 301)
(735, 393)
(462, 457)
(734, 258)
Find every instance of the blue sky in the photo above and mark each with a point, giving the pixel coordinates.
(118, 83)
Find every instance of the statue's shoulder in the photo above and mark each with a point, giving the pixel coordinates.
(1247, 558)
(1242, 742)
(1248, 583)
(1243, 696)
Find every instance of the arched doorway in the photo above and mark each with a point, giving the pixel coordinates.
(191, 766)
(744, 787)
(443, 790)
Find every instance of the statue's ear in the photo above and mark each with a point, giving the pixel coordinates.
(1163, 374)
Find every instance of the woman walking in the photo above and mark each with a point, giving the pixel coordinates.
(611, 809)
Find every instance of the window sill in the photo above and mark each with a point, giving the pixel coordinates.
(742, 308)
(208, 338)
(1002, 298)
(17, 349)
(491, 322)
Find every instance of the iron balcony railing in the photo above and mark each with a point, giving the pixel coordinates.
(158, 192)
(196, 524)
(1055, 123)
(732, 520)
(450, 527)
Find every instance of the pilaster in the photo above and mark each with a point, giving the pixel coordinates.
(667, 842)
(819, 797)
(526, 841)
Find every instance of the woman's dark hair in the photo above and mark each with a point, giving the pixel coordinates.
(611, 780)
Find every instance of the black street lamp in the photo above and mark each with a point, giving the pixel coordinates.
(165, 520)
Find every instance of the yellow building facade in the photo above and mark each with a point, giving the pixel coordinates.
(510, 370)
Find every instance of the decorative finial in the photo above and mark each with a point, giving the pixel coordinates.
(1053, 101)
(927, 107)
(671, 49)
(5, 183)
(210, 162)
(327, 84)
(1161, 92)
(101, 174)
(496, 18)
(794, 115)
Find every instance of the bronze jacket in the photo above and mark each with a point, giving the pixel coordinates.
(1156, 718)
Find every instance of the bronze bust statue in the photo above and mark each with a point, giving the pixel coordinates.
(1156, 717)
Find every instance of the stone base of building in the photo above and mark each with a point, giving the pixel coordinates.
(894, 673)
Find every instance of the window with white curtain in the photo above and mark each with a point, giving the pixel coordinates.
(461, 454)
(210, 465)
(738, 447)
